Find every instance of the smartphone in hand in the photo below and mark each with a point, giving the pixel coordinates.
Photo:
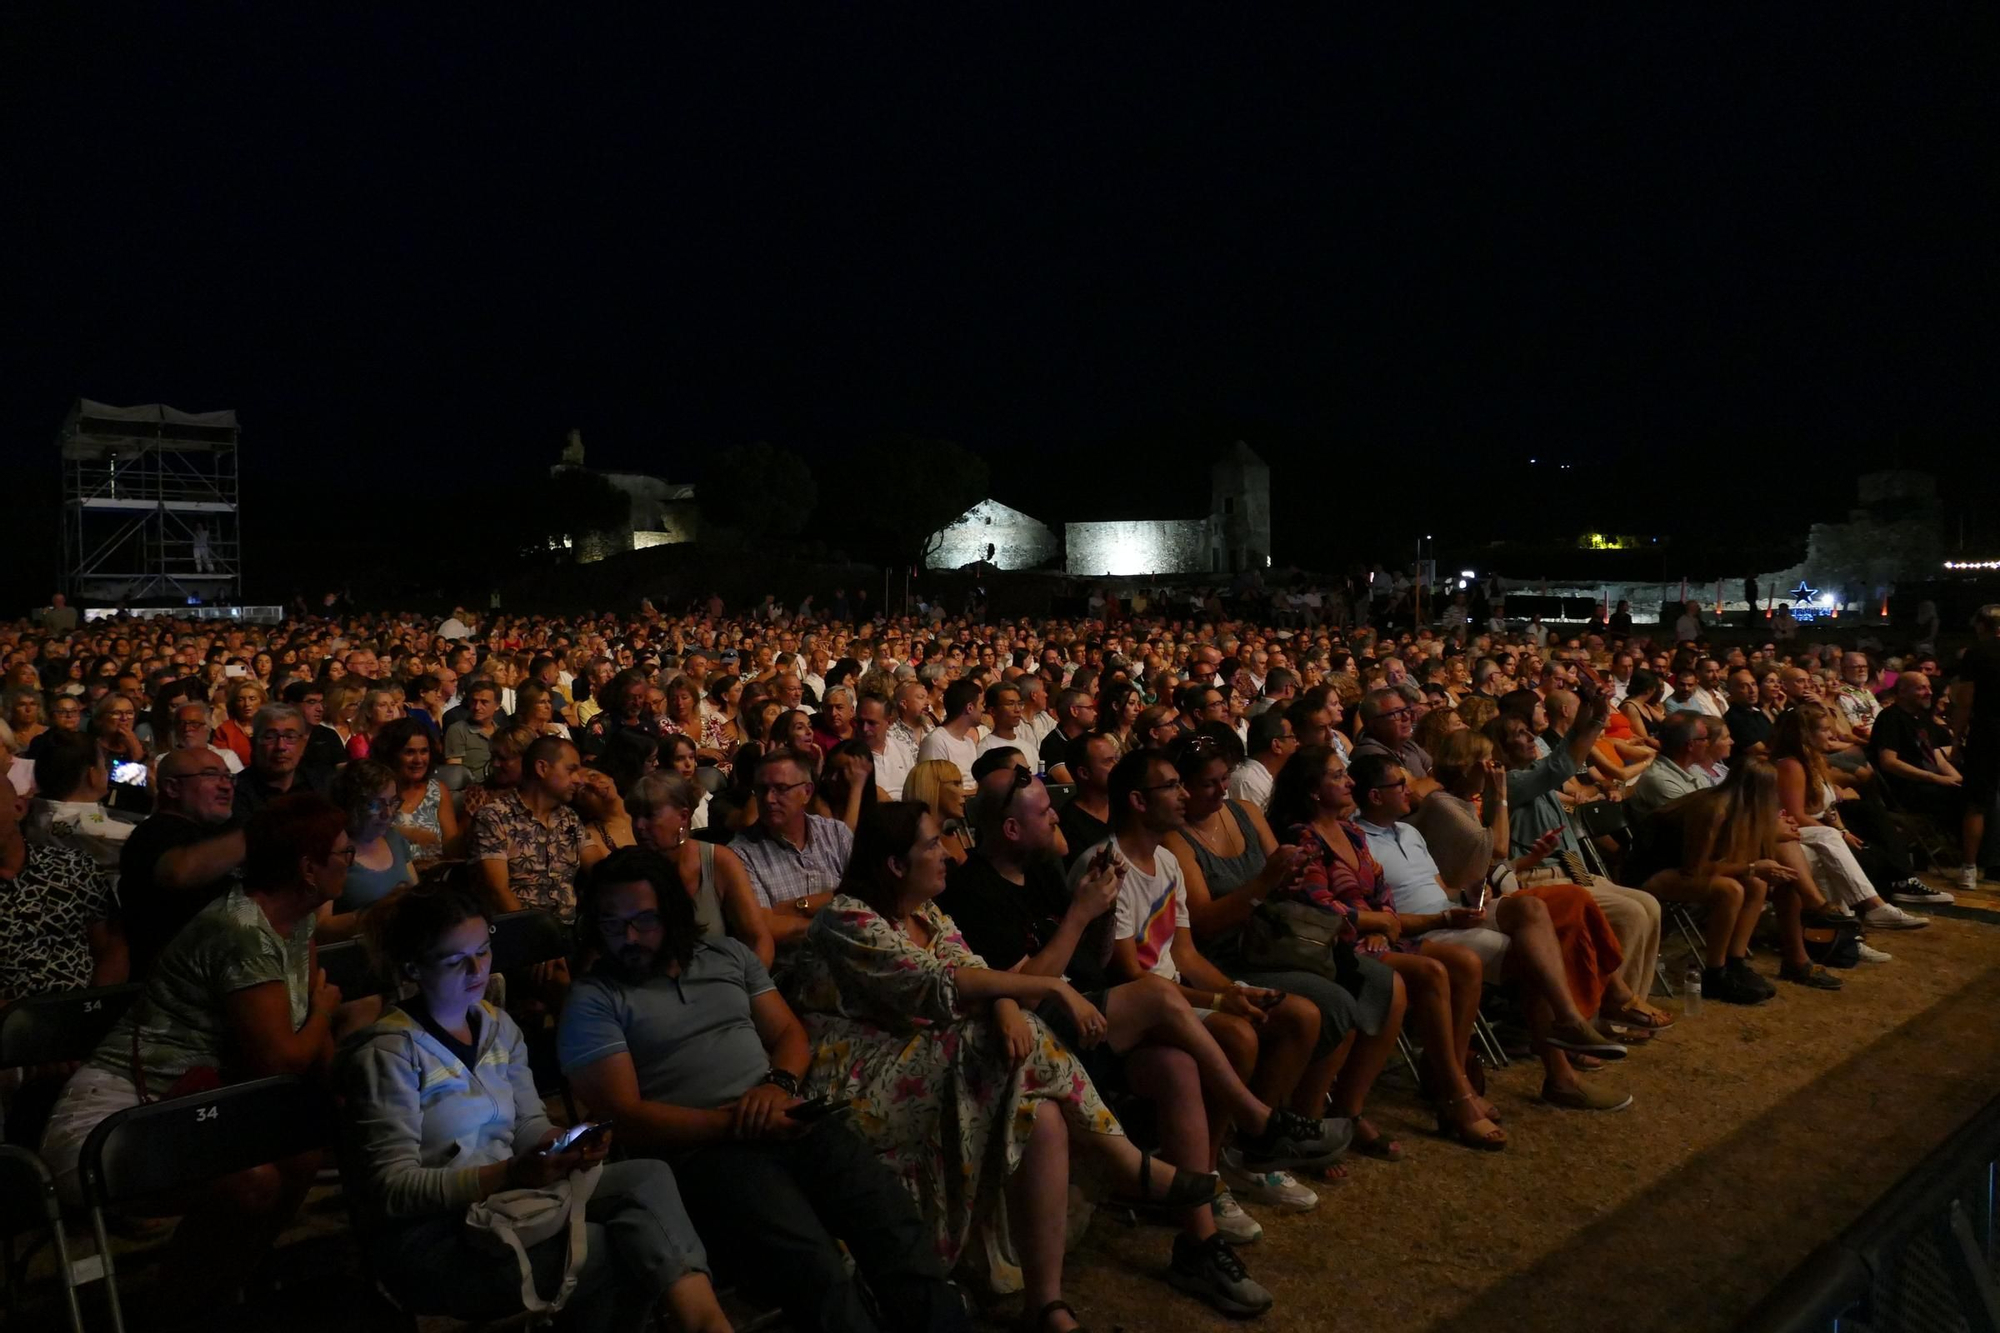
(581, 1134)
(819, 1108)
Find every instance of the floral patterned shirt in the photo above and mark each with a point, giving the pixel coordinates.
(542, 859)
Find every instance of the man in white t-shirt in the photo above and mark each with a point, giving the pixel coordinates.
(954, 739)
(1003, 701)
(1151, 938)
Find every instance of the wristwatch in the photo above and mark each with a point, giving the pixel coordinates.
(784, 1079)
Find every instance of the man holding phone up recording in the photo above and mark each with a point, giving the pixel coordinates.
(684, 1043)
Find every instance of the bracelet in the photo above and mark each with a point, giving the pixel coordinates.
(1217, 1001)
(783, 1079)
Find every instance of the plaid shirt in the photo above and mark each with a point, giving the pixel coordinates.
(780, 872)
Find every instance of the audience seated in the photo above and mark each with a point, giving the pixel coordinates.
(58, 926)
(682, 1041)
(661, 806)
(73, 776)
(442, 1115)
(794, 858)
(1512, 935)
(1229, 863)
(234, 996)
(528, 842)
(1147, 983)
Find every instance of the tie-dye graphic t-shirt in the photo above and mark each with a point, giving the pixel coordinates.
(1150, 908)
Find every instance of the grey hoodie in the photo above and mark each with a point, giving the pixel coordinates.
(420, 1124)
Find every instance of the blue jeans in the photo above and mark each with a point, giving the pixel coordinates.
(640, 1243)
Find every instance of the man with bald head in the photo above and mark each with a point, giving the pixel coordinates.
(183, 857)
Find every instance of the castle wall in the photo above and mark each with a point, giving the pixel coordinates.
(1139, 546)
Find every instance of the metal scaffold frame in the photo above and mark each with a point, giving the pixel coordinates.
(150, 506)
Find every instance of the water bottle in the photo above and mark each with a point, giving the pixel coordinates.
(1691, 992)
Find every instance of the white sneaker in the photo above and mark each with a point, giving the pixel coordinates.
(1232, 1223)
(1277, 1189)
(1869, 955)
(1891, 917)
(1968, 878)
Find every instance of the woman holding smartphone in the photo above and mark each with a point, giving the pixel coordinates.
(442, 1113)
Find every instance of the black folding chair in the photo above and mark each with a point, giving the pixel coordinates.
(28, 1203)
(527, 937)
(348, 966)
(61, 1026)
(1610, 818)
(1060, 793)
(174, 1145)
(522, 939)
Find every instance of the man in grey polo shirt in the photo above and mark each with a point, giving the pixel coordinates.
(684, 1043)
(1683, 746)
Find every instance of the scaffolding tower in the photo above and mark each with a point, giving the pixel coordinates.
(150, 511)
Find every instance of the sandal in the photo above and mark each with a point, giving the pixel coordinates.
(1491, 1140)
(1377, 1145)
(1034, 1322)
(1646, 1020)
(1188, 1189)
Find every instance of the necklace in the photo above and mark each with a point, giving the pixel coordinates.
(1208, 840)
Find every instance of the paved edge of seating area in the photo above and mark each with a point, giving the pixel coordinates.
(1798, 1212)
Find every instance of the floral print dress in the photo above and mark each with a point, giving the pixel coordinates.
(932, 1089)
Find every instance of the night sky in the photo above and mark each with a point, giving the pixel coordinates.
(1390, 256)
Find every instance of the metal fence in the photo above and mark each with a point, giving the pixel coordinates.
(1922, 1260)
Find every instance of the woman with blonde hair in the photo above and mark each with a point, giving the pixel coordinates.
(240, 704)
(1718, 849)
(1477, 711)
(340, 701)
(938, 786)
(379, 707)
(1810, 795)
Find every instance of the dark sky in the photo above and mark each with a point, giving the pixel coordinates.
(406, 242)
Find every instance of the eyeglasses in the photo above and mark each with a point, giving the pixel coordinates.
(771, 789)
(1390, 786)
(218, 774)
(1165, 786)
(643, 922)
(347, 853)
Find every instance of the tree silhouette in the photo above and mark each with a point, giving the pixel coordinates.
(766, 492)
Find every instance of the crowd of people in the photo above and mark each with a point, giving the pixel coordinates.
(893, 940)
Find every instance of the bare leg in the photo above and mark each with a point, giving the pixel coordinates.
(1722, 896)
(1791, 932)
(1153, 1011)
(1237, 1040)
(691, 1301)
(1368, 1056)
(1284, 1042)
(1534, 957)
(1754, 889)
(1431, 994)
(1169, 1080)
(1038, 1197)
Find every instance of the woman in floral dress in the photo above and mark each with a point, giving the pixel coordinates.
(953, 1079)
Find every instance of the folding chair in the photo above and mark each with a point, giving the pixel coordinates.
(1593, 857)
(348, 966)
(522, 939)
(1060, 793)
(176, 1144)
(61, 1026)
(27, 1203)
